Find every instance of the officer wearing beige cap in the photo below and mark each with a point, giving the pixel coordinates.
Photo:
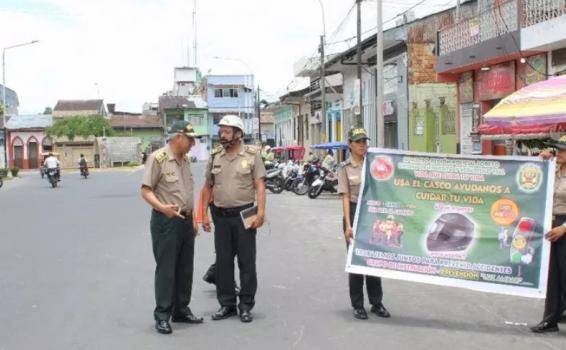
(235, 179)
(349, 182)
(167, 187)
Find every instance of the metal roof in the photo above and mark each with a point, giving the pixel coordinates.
(37, 121)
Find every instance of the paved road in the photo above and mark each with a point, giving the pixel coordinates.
(76, 272)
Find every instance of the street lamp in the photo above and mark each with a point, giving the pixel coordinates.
(322, 82)
(4, 105)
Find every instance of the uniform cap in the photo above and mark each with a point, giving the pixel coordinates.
(183, 127)
(356, 134)
(560, 144)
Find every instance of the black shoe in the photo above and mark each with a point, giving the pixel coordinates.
(360, 313)
(224, 312)
(380, 310)
(246, 316)
(163, 327)
(187, 318)
(545, 327)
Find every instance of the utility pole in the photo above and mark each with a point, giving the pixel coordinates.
(259, 115)
(359, 119)
(379, 78)
(195, 33)
(323, 89)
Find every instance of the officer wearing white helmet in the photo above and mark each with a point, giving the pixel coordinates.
(234, 179)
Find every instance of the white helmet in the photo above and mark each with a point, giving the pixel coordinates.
(233, 121)
(267, 148)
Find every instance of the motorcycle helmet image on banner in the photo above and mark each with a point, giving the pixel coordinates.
(451, 232)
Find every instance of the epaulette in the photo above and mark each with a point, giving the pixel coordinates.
(217, 149)
(250, 149)
(161, 157)
(186, 157)
(344, 163)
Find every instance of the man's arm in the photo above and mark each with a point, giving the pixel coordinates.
(169, 210)
(260, 190)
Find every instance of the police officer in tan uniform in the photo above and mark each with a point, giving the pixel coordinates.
(168, 188)
(555, 302)
(349, 182)
(234, 178)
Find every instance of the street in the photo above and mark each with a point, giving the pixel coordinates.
(76, 272)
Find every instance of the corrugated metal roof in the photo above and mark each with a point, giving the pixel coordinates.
(79, 105)
(37, 121)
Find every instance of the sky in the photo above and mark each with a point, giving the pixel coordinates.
(124, 51)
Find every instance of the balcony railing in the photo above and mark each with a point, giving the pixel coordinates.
(490, 23)
(538, 11)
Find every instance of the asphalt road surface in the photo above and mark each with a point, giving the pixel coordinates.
(76, 272)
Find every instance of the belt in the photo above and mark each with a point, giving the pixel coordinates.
(229, 212)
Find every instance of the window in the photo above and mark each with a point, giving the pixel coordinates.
(217, 92)
(229, 93)
(195, 120)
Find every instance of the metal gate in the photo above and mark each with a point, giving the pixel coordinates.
(32, 155)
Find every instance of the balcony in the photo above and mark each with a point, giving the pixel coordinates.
(543, 24)
(489, 24)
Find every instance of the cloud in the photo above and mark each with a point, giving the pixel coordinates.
(127, 49)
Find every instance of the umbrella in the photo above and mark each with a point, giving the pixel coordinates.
(535, 109)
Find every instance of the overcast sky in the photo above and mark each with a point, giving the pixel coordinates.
(124, 51)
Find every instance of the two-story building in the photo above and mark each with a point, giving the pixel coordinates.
(494, 49)
(232, 94)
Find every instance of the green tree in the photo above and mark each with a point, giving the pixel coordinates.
(48, 110)
(72, 127)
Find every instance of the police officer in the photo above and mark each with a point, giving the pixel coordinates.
(349, 181)
(234, 176)
(168, 188)
(556, 289)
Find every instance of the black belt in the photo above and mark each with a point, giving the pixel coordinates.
(229, 212)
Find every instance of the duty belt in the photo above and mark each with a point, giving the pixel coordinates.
(229, 212)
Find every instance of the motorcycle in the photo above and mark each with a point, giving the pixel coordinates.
(84, 171)
(327, 182)
(311, 173)
(274, 179)
(52, 177)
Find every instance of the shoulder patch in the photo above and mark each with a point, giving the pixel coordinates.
(345, 163)
(217, 149)
(161, 156)
(250, 150)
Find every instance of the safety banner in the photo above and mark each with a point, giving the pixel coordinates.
(474, 222)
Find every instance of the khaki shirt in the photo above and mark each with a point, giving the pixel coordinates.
(172, 182)
(350, 179)
(559, 201)
(233, 177)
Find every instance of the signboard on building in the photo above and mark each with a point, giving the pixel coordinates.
(497, 82)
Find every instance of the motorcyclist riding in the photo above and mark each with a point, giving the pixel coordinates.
(53, 163)
(83, 165)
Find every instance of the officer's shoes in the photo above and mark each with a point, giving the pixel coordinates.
(380, 310)
(163, 327)
(545, 327)
(246, 316)
(187, 318)
(360, 313)
(224, 312)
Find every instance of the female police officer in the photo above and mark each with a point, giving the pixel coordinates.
(349, 181)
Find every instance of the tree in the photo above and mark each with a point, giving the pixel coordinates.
(48, 110)
(81, 126)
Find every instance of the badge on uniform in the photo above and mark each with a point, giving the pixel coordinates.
(245, 164)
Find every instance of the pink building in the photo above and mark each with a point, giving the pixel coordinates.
(27, 140)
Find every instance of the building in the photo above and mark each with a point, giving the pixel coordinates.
(149, 129)
(303, 122)
(267, 127)
(28, 140)
(81, 108)
(232, 94)
(117, 151)
(283, 124)
(12, 104)
(494, 49)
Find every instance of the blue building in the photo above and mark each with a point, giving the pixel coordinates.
(232, 94)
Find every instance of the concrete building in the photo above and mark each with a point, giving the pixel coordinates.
(27, 140)
(82, 108)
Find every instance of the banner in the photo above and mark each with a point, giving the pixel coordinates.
(462, 221)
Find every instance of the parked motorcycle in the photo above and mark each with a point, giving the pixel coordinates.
(311, 173)
(328, 181)
(53, 177)
(274, 179)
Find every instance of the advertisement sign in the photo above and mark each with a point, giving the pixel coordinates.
(471, 222)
